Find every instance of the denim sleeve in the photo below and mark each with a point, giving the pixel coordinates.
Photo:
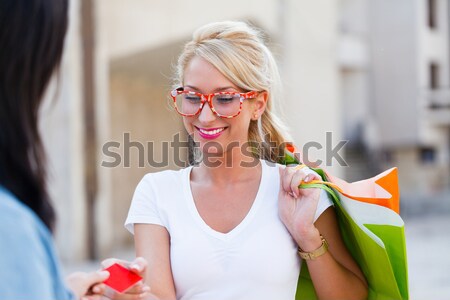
(28, 266)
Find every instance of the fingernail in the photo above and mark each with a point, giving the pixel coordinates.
(135, 266)
(103, 273)
(146, 289)
(307, 178)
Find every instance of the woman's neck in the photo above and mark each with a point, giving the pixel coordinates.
(228, 168)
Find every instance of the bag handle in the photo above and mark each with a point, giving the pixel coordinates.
(324, 185)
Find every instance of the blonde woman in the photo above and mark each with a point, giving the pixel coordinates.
(233, 226)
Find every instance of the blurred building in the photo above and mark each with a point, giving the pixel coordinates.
(360, 69)
(396, 92)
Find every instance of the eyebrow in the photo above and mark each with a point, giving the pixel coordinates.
(215, 91)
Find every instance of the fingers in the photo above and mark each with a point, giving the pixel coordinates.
(110, 261)
(129, 296)
(99, 288)
(80, 282)
(285, 179)
(94, 280)
(139, 265)
(94, 297)
(138, 291)
(97, 277)
(297, 178)
(291, 178)
(138, 288)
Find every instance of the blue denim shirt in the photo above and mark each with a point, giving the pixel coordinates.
(29, 268)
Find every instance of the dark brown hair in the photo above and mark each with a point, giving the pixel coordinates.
(31, 45)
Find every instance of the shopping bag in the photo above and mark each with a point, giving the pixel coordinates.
(372, 230)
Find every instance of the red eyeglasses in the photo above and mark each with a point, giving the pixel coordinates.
(223, 104)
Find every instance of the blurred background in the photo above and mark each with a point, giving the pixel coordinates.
(375, 73)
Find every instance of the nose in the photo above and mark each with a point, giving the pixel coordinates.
(206, 114)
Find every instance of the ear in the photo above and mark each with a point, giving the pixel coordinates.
(259, 105)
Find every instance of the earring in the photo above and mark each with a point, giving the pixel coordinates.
(255, 116)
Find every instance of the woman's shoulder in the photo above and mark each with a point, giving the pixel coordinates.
(18, 221)
(28, 251)
(165, 177)
(166, 174)
(12, 210)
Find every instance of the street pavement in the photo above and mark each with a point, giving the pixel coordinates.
(428, 249)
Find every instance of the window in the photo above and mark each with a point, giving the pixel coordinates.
(432, 14)
(434, 76)
(427, 155)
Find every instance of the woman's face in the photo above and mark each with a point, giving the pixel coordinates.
(212, 133)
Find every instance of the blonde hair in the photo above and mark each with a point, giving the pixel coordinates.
(237, 50)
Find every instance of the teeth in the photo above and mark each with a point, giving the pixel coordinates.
(211, 132)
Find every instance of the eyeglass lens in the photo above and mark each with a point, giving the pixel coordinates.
(224, 105)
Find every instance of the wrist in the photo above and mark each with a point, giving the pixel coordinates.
(309, 240)
(312, 255)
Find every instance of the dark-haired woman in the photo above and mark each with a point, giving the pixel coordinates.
(31, 44)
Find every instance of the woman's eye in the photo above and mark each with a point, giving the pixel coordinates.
(192, 98)
(225, 99)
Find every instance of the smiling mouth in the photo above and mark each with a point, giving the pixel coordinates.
(213, 131)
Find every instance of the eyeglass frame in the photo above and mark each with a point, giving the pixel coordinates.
(207, 98)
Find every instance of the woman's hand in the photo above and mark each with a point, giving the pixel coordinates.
(80, 283)
(138, 291)
(297, 207)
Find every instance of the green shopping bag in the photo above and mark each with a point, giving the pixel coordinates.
(372, 230)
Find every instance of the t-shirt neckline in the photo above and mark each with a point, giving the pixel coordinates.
(243, 224)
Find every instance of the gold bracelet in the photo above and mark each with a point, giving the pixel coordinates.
(315, 253)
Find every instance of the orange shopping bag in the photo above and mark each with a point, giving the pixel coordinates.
(372, 230)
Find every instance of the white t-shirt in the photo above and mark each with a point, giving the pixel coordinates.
(256, 260)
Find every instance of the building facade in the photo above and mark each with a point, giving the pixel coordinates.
(359, 68)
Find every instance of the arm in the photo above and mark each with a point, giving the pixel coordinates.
(152, 242)
(335, 274)
(80, 283)
(25, 272)
(30, 268)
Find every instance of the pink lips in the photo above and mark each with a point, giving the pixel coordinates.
(210, 136)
